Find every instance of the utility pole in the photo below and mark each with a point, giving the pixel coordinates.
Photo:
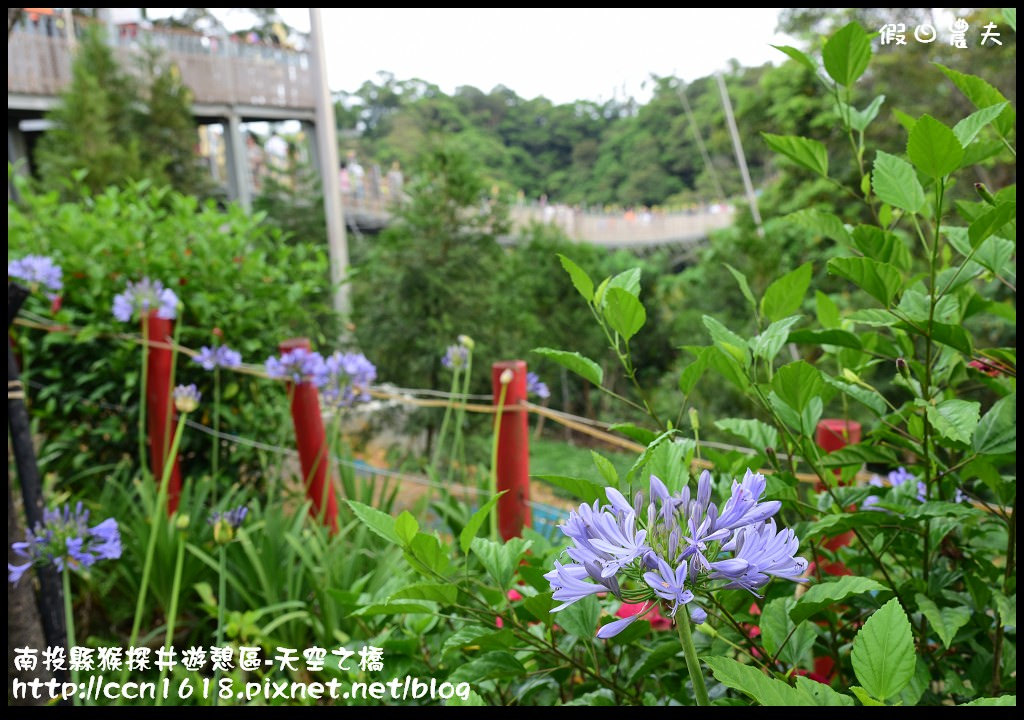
(740, 159)
(327, 149)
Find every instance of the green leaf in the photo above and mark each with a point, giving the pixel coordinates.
(768, 343)
(580, 280)
(427, 551)
(435, 592)
(781, 637)
(805, 152)
(540, 606)
(847, 54)
(641, 435)
(1002, 701)
(586, 490)
(905, 120)
(1007, 609)
(796, 383)
(785, 296)
(860, 119)
(476, 521)
(869, 397)
(472, 637)
(393, 608)
(741, 280)
(582, 366)
(755, 684)
(727, 341)
(1010, 14)
(864, 697)
(628, 280)
(380, 523)
(624, 312)
(758, 435)
(885, 247)
(840, 338)
(991, 222)
(945, 621)
(820, 223)
(968, 128)
(406, 527)
(878, 280)
(500, 560)
(728, 367)
(822, 595)
(693, 372)
(983, 95)
(997, 430)
(828, 311)
(933, 148)
(883, 652)
(605, 467)
(954, 419)
(821, 694)
(797, 55)
(580, 618)
(895, 182)
(489, 666)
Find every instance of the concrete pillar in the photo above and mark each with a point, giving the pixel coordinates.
(239, 173)
(309, 131)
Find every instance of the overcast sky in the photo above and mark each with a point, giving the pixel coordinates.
(564, 54)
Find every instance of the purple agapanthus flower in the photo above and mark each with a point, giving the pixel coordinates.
(896, 479)
(673, 547)
(455, 357)
(37, 269)
(345, 379)
(233, 517)
(220, 356)
(298, 365)
(186, 398)
(534, 386)
(65, 540)
(141, 297)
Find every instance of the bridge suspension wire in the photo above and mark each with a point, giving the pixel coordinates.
(695, 129)
(741, 159)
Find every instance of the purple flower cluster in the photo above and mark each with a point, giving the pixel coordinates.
(455, 357)
(65, 539)
(674, 546)
(296, 365)
(141, 297)
(37, 269)
(897, 478)
(534, 386)
(346, 379)
(233, 517)
(186, 398)
(220, 356)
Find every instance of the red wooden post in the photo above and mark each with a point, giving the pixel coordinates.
(834, 434)
(513, 451)
(311, 440)
(161, 416)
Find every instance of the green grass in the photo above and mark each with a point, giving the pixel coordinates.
(553, 457)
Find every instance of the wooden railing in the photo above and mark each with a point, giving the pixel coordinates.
(218, 70)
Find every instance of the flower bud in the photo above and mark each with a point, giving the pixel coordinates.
(186, 398)
(984, 193)
(903, 368)
(181, 522)
(223, 533)
(466, 341)
(694, 419)
(506, 376)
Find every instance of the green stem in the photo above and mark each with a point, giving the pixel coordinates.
(459, 438)
(156, 522)
(438, 446)
(222, 572)
(69, 621)
(692, 663)
(493, 489)
(215, 460)
(172, 612)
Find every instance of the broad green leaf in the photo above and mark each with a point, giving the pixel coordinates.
(476, 521)
(436, 592)
(1007, 609)
(476, 637)
(741, 280)
(895, 182)
(860, 119)
(580, 280)
(805, 152)
(605, 467)
(883, 652)
(945, 621)
(540, 607)
(982, 95)
(846, 54)
(905, 120)
(768, 343)
(997, 430)
(828, 311)
(990, 223)
(500, 560)
(380, 523)
(864, 697)
(968, 128)
(954, 419)
(758, 435)
(821, 694)
(654, 659)
(624, 312)
(878, 280)
(582, 366)
(595, 698)
(628, 280)
(489, 666)
(406, 527)
(952, 335)
(786, 294)
(400, 607)
(586, 490)
(1002, 701)
(641, 435)
(645, 456)
(728, 341)
(796, 383)
(797, 55)
(580, 618)
(821, 223)
(755, 684)
(693, 372)
(933, 148)
(869, 397)
(728, 367)
(885, 247)
(1010, 15)
(822, 595)
(781, 637)
(840, 338)
(874, 317)
(428, 551)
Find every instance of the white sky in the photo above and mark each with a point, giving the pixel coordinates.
(564, 54)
